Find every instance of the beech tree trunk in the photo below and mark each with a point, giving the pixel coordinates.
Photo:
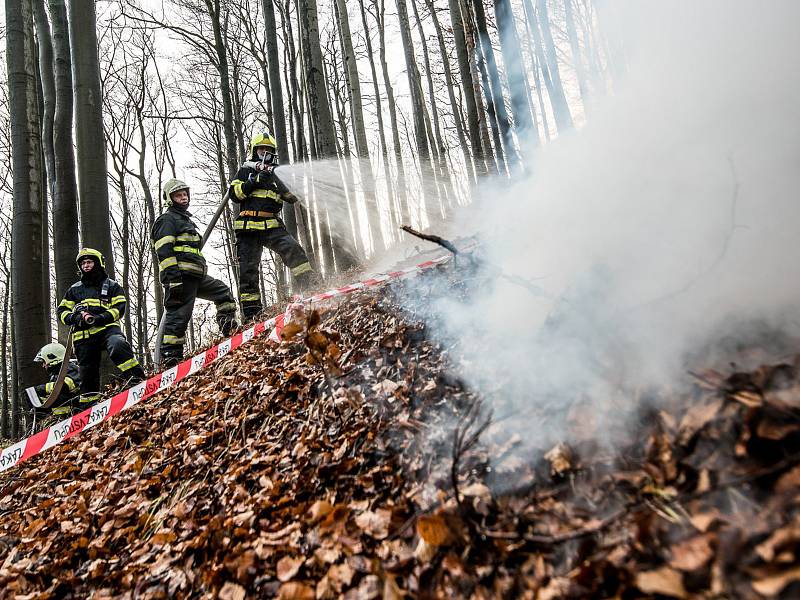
(449, 84)
(28, 276)
(324, 130)
(65, 189)
(494, 89)
(417, 101)
(515, 71)
(92, 171)
(393, 213)
(468, 86)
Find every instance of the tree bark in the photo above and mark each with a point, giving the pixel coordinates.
(494, 89)
(6, 405)
(468, 86)
(65, 189)
(232, 158)
(26, 151)
(357, 115)
(417, 100)
(449, 84)
(434, 127)
(476, 65)
(537, 60)
(276, 101)
(515, 71)
(393, 212)
(320, 108)
(405, 209)
(92, 171)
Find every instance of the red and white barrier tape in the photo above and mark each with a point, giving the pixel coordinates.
(64, 430)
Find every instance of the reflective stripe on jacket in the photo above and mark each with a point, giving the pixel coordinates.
(269, 199)
(177, 245)
(107, 311)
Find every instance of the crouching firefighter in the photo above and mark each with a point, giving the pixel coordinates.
(93, 307)
(51, 357)
(183, 273)
(261, 195)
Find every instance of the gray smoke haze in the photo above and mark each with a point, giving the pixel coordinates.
(669, 221)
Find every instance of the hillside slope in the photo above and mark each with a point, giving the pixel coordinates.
(353, 461)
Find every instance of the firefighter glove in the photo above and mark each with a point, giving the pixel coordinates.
(262, 179)
(290, 198)
(174, 294)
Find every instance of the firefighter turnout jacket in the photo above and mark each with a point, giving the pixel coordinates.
(260, 202)
(177, 244)
(69, 391)
(100, 296)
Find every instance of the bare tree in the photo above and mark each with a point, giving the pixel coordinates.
(65, 190)
(92, 172)
(28, 277)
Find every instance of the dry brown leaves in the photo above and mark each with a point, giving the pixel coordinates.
(320, 468)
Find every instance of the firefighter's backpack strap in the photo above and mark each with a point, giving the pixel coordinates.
(105, 290)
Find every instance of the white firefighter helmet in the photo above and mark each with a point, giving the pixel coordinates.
(51, 354)
(172, 186)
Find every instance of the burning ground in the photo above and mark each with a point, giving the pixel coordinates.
(354, 460)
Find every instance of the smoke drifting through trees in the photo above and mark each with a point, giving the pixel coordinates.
(182, 86)
(668, 222)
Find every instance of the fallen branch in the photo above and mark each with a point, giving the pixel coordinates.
(431, 238)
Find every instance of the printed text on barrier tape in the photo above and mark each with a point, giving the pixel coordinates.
(55, 434)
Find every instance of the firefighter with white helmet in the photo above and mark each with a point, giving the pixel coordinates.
(51, 356)
(183, 273)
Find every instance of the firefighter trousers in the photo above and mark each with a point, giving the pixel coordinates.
(179, 309)
(249, 245)
(89, 352)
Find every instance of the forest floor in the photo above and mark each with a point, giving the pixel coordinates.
(354, 461)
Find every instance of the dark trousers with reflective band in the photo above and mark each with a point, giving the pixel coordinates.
(249, 245)
(179, 311)
(88, 352)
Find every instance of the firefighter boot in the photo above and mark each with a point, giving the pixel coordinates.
(171, 355)
(227, 323)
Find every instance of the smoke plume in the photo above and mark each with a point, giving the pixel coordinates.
(669, 222)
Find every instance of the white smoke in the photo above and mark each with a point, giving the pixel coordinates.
(672, 217)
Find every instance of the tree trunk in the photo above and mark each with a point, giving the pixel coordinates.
(15, 379)
(92, 172)
(6, 405)
(449, 84)
(476, 65)
(44, 209)
(26, 152)
(417, 100)
(537, 60)
(515, 71)
(65, 190)
(214, 11)
(557, 97)
(494, 89)
(320, 108)
(141, 176)
(357, 114)
(468, 86)
(390, 100)
(47, 91)
(126, 250)
(393, 213)
(276, 101)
